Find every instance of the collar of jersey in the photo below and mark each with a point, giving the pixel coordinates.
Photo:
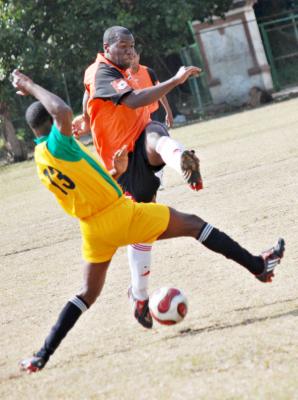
(41, 139)
(102, 59)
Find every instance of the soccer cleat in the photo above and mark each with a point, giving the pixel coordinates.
(141, 310)
(271, 259)
(32, 364)
(190, 165)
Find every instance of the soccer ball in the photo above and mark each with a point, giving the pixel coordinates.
(168, 305)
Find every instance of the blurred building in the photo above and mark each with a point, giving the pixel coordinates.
(233, 54)
(242, 51)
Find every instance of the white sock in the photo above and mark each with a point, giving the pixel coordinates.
(139, 257)
(170, 151)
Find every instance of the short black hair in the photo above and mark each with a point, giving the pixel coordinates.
(111, 35)
(37, 115)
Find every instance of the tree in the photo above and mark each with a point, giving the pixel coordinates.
(15, 148)
(274, 8)
(55, 41)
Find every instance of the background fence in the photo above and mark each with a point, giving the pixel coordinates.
(199, 88)
(280, 38)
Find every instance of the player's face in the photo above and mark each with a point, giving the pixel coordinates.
(121, 52)
(135, 61)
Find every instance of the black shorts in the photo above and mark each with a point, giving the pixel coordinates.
(139, 179)
(158, 116)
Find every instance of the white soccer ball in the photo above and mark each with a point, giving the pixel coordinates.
(168, 305)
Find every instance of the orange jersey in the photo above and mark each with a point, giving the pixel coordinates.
(112, 124)
(145, 78)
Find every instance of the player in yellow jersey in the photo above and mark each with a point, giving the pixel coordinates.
(107, 218)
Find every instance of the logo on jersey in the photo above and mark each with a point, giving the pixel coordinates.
(120, 85)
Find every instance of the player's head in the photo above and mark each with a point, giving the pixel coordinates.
(118, 44)
(38, 119)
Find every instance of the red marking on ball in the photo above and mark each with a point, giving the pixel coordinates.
(165, 303)
(182, 309)
(162, 322)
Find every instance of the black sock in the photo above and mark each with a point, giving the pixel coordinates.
(219, 242)
(66, 320)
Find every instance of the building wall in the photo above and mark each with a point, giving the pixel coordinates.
(234, 56)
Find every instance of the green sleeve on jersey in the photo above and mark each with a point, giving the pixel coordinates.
(63, 147)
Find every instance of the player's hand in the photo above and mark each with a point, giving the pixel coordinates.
(21, 82)
(80, 126)
(185, 72)
(120, 161)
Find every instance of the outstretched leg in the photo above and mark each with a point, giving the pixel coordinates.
(261, 266)
(94, 278)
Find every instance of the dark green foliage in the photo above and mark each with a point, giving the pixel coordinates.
(272, 9)
(54, 41)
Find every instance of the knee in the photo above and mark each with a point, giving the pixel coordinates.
(194, 224)
(153, 137)
(89, 295)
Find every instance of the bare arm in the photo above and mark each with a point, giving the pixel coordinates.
(144, 97)
(81, 123)
(169, 114)
(84, 104)
(56, 107)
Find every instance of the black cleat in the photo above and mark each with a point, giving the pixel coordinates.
(271, 259)
(141, 311)
(32, 364)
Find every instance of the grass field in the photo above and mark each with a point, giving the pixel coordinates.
(240, 338)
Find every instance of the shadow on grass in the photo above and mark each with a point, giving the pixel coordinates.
(221, 327)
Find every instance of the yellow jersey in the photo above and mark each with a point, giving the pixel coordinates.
(82, 186)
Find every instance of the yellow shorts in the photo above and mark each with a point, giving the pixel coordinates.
(124, 223)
